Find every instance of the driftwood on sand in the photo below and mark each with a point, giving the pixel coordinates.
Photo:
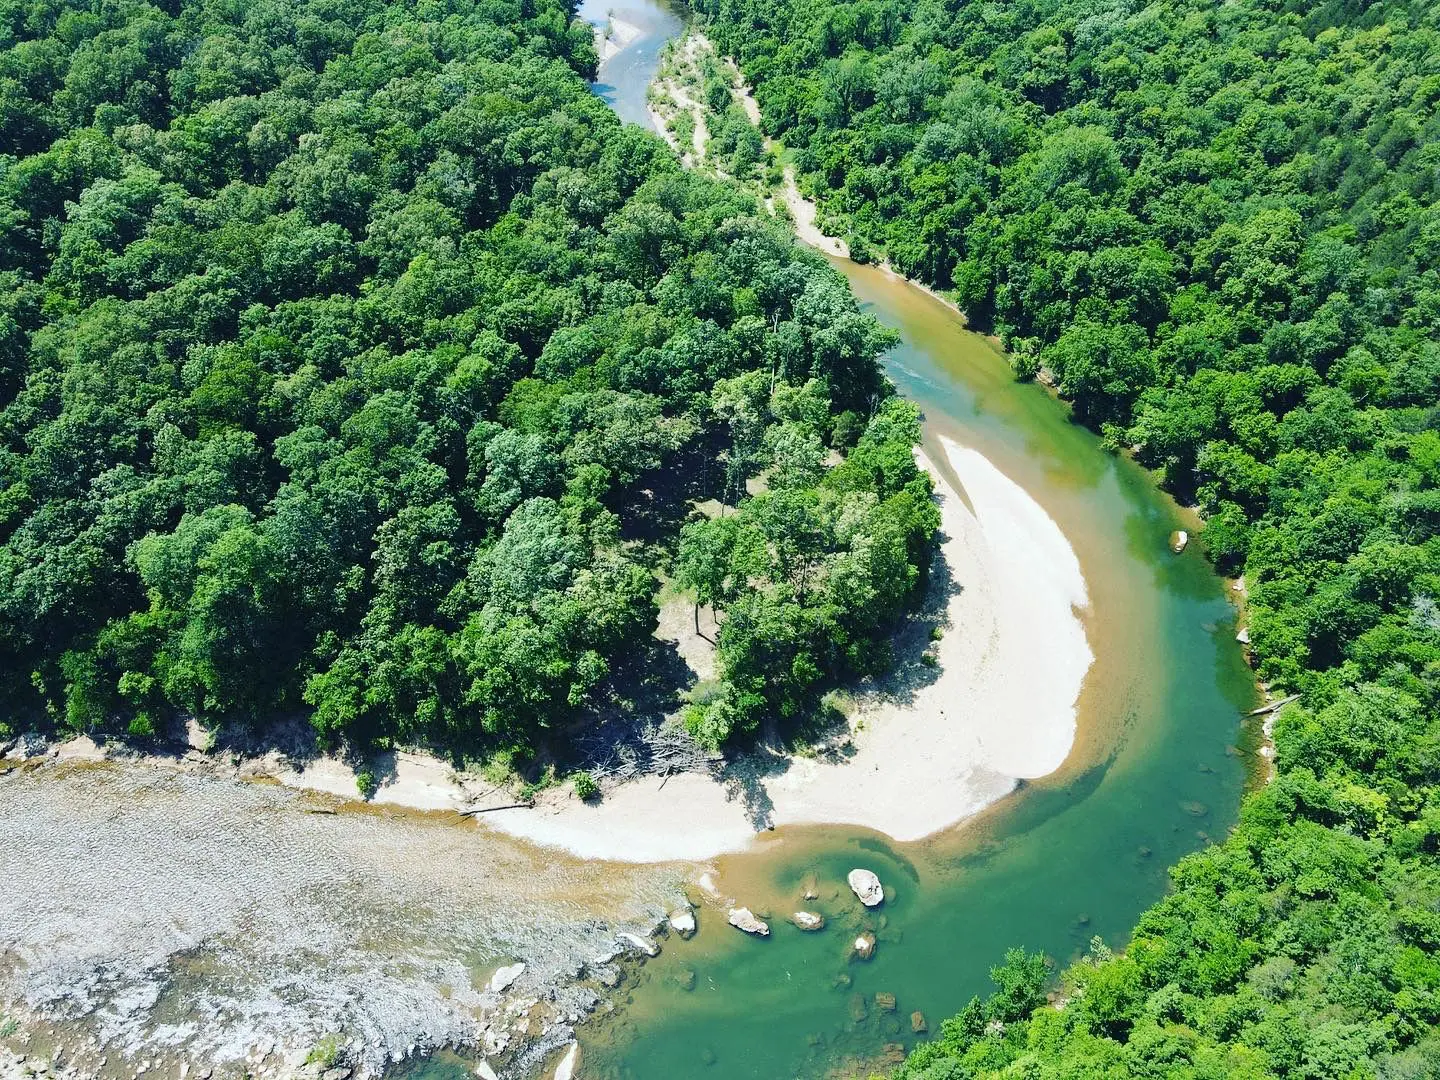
(508, 806)
(662, 751)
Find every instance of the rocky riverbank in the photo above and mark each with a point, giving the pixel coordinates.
(173, 919)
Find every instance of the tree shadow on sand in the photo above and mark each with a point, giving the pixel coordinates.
(826, 734)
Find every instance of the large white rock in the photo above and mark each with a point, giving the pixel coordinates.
(742, 918)
(566, 1069)
(486, 1071)
(866, 886)
(682, 921)
(1178, 539)
(505, 977)
(808, 920)
(644, 944)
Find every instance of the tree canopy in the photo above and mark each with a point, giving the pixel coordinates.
(343, 351)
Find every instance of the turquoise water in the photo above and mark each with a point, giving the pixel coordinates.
(1156, 773)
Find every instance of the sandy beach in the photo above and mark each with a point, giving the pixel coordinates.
(999, 707)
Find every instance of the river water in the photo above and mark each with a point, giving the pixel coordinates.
(1156, 772)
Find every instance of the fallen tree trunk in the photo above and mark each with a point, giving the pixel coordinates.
(1274, 705)
(508, 806)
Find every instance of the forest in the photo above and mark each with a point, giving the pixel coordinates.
(356, 363)
(1215, 229)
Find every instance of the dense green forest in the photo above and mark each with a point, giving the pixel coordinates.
(356, 362)
(1215, 227)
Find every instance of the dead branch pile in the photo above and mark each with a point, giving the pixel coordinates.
(657, 750)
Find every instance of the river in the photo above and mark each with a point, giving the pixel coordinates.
(181, 912)
(1156, 772)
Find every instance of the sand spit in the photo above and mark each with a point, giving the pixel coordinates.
(961, 720)
(996, 704)
(613, 36)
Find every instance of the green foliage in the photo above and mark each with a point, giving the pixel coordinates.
(342, 350)
(586, 788)
(1216, 228)
(811, 573)
(366, 783)
(326, 1052)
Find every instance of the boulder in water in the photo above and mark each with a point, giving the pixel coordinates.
(682, 921)
(505, 977)
(885, 1002)
(810, 889)
(486, 1071)
(1178, 539)
(866, 886)
(742, 918)
(865, 945)
(808, 920)
(917, 1023)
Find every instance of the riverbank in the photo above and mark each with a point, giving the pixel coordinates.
(962, 719)
(155, 916)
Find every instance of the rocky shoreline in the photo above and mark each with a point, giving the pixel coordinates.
(168, 917)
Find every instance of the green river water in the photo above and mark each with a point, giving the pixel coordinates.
(1156, 772)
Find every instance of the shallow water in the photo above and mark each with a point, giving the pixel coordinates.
(1156, 772)
(624, 79)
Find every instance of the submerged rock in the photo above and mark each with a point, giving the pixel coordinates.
(808, 920)
(865, 945)
(505, 977)
(885, 1002)
(866, 886)
(742, 918)
(810, 888)
(917, 1023)
(682, 921)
